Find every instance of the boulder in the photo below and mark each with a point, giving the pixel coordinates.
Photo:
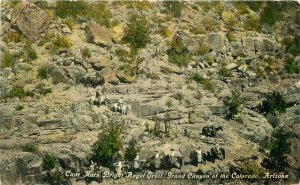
(30, 19)
(101, 63)
(68, 75)
(123, 77)
(109, 76)
(98, 35)
(217, 41)
(231, 66)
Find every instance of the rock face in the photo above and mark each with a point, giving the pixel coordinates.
(108, 75)
(98, 35)
(30, 19)
(217, 41)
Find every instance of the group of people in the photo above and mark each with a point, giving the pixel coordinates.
(101, 99)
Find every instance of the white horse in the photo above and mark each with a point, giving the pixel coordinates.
(94, 101)
(125, 109)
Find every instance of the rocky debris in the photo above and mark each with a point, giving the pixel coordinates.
(30, 19)
(125, 78)
(98, 35)
(109, 76)
(69, 75)
(100, 63)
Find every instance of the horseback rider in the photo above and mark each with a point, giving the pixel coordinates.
(199, 155)
(98, 97)
(136, 160)
(121, 102)
(217, 147)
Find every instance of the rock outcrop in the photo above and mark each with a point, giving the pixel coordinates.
(30, 19)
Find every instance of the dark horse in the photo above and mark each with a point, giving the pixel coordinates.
(212, 155)
(211, 131)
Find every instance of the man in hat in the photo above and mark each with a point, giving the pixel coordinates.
(199, 155)
(136, 161)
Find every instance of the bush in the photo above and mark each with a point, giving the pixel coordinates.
(178, 96)
(291, 66)
(280, 147)
(18, 91)
(206, 83)
(254, 5)
(47, 38)
(19, 107)
(43, 72)
(169, 103)
(198, 95)
(7, 60)
(273, 103)
(164, 31)
(30, 52)
(203, 48)
(132, 150)
(272, 12)
(70, 22)
(107, 146)
(225, 72)
(137, 32)
(174, 8)
(30, 148)
(48, 162)
(178, 53)
(86, 53)
(42, 90)
(232, 105)
(251, 23)
(242, 8)
(60, 42)
(210, 24)
(13, 37)
(89, 11)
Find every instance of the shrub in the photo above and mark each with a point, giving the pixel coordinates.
(179, 96)
(272, 12)
(30, 52)
(206, 83)
(107, 146)
(174, 8)
(18, 91)
(137, 32)
(291, 66)
(89, 11)
(205, 6)
(198, 95)
(7, 59)
(242, 8)
(30, 148)
(48, 162)
(164, 31)
(131, 150)
(178, 53)
(169, 103)
(60, 42)
(225, 72)
(254, 5)
(232, 105)
(203, 48)
(19, 107)
(209, 24)
(122, 54)
(280, 147)
(140, 5)
(70, 22)
(251, 23)
(273, 103)
(47, 38)
(43, 72)
(86, 53)
(13, 37)
(272, 64)
(42, 90)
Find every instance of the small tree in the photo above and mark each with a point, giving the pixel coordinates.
(49, 162)
(232, 105)
(280, 147)
(137, 32)
(273, 103)
(178, 53)
(131, 150)
(107, 145)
